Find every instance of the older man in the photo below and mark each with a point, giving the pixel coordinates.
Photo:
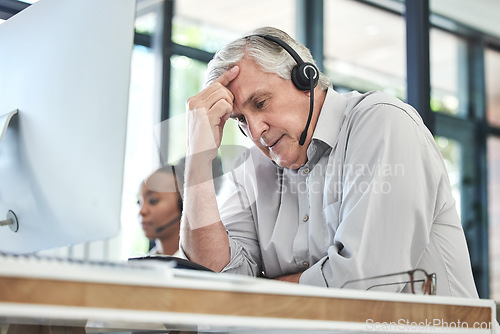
(337, 188)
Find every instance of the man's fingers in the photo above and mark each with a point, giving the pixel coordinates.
(208, 111)
(220, 94)
(228, 76)
(210, 98)
(212, 93)
(222, 109)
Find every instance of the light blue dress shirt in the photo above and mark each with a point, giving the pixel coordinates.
(374, 198)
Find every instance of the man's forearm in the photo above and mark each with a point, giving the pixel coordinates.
(203, 236)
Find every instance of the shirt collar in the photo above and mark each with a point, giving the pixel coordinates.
(330, 118)
(327, 128)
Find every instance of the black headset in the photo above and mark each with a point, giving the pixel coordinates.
(301, 71)
(305, 76)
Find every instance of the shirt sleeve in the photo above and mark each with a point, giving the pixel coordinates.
(388, 198)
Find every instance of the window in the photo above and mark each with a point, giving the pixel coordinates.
(494, 215)
(141, 156)
(492, 64)
(214, 23)
(451, 152)
(188, 78)
(448, 63)
(365, 47)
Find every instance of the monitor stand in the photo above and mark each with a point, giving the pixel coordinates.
(4, 122)
(11, 221)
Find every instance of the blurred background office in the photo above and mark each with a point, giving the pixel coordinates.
(442, 56)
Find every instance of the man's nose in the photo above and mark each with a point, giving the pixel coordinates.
(256, 128)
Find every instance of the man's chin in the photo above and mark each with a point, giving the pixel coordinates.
(286, 164)
(281, 160)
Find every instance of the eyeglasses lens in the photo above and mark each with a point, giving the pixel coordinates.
(421, 285)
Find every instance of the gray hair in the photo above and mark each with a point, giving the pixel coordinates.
(268, 55)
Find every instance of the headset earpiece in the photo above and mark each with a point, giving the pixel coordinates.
(301, 73)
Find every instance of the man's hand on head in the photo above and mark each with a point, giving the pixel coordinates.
(207, 113)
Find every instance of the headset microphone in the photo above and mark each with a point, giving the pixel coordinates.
(305, 76)
(170, 223)
(311, 107)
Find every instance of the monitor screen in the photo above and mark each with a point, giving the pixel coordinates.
(65, 66)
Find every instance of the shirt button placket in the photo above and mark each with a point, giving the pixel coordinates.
(304, 207)
(305, 172)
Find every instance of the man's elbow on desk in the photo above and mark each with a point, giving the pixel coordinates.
(293, 278)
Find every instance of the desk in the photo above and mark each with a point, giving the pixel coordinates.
(123, 298)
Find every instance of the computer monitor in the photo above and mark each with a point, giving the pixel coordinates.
(65, 66)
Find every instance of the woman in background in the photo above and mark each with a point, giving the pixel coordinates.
(160, 212)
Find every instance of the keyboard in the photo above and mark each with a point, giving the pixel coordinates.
(46, 267)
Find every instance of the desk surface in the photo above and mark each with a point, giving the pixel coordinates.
(139, 297)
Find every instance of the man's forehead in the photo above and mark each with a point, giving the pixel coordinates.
(251, 83)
